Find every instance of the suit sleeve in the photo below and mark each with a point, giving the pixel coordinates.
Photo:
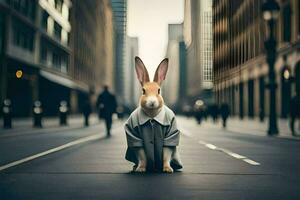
(173, 135)
(132, 136)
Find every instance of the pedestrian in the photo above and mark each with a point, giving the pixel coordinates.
(86, 110)
(224, 111)
(7, 113)
(295, 112)
(214, 112)
(107, 105)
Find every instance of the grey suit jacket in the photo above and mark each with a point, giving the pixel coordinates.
(152, 134)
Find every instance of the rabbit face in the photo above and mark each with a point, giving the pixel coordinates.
(151, 100)
(151, 97)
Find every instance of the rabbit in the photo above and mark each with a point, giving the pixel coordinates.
(142, 140)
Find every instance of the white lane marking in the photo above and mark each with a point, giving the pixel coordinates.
(230, 153)
(59, 148)
(252, 162)
(56, 149)
(211, 146)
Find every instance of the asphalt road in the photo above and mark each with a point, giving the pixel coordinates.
(218, 164)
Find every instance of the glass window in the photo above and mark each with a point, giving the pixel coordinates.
(58, 5)
(23, 36)
(44, 54)
(44, 21)
(2, 32)
(287, 23)
(56, 60)
(57, 30)
(26, 7)
(298, 17)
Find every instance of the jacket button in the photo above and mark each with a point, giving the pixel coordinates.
(151, 142)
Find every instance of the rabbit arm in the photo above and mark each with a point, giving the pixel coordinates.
(173, 134)
(133, 139)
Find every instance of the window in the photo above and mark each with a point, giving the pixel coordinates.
(44, 56)
(44, 22)
(23, 36)
(287, 23)
(57, 30)
(2, 29)
(26, 7)
(58, 5)
(298, 18)
(56, 60)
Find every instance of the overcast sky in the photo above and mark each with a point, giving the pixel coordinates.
(148, 20)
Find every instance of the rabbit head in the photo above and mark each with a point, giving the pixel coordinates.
(151, 100)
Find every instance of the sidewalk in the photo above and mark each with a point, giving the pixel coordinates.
(255, 127)
(25, 125)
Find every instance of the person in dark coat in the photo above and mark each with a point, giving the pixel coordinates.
(224, 111)
(295, 112)
(86, 110)
(107, 105)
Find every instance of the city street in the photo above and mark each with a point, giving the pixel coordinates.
(83, 164)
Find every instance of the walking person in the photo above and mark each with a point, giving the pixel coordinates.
(107, 105)
(224, 111)
(86, 110)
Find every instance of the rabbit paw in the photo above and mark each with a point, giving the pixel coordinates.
(140, 169)
(167, 169)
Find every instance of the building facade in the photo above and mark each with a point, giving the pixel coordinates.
(172, 88)
(199, 45)
(38, 61)
(132, 86)
(206, 44)
(119, 8)
(240, 68)
(93, 47)
(35, 52)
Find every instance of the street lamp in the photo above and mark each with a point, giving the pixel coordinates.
(270, 10)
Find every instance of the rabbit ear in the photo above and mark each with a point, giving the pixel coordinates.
(141, 71)
(161, 71)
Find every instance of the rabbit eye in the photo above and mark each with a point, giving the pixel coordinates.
(159, 91)
(144, 91)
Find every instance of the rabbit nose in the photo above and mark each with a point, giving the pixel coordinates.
(152, 102)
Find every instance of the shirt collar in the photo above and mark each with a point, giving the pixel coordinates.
(160, 117)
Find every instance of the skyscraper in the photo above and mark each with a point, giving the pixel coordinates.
(119, 8)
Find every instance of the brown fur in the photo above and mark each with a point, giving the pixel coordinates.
(151, 89)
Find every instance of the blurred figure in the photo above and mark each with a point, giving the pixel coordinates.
(224, 111)
(295, 112)
(199, 109)
(7, 113)
(107, 105)
(214, 112)
(63, 112)
(86, 110)
(37, 114)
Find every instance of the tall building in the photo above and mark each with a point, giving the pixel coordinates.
(132, 90)
(171, 87)
(119, 8)
(206, 44)
(240, 68)
(198, 40)
(35, 53)
(46, 56)
(93, 46)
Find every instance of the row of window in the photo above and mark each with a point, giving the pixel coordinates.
(53, 28)
(25, 7)
(52, 56)
(23, 36)
(2, 24)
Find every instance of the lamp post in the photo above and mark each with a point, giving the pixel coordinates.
(270, 11)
